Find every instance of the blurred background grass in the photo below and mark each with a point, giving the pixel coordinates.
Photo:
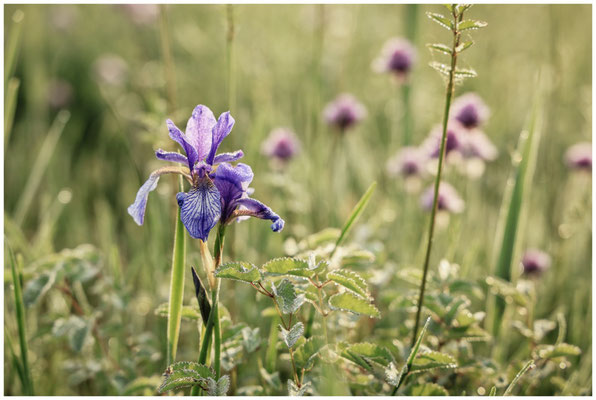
(104, 65)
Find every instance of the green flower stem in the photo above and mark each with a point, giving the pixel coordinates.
(20, 311)
(431, 230)
(176, 288)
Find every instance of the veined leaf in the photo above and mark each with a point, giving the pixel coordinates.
(558, 350)
(440, 68)
(350, 280)
(432, 360)
(37, 287)
(285, 293)
(464, 46)
(291, 337)
(363, 353)
(305, 353)
(470, 24)
(183, 374)
(441, 20)
(350, 302)
(443, 48)
(190, 313)
(426, 389)
(219, 388)
(288, 266)
(240, 271)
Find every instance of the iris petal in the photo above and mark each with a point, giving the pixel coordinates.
(224, 126)
(137, 209)
(255, 208)
(179, 137)
(171, 156)
(228, 157)
(232, 183)
(200, 208)
(198, 130)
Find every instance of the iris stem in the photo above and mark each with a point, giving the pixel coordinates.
(176, 288)
(431, 230)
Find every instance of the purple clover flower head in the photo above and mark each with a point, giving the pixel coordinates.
(535, 262)
(408, 162)
(579, 156)
(478, 145)
(470, 110)
(455, 140)
(448, 200)
(397, 57)
(344, 112)
(282, 144)
(218, 189)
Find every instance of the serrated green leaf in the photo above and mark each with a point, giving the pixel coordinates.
(288, 266)
(393, 375)
(441, 20)
(201, 369)
(440, 68)
(440, 47)
(310, 294)
(37, 287)
(294, 390)
(558, 350)
(74, 328)
(141, 383)
(470, 24)
(219, 388)
(463, 46)
(285, 294)
(175, 384)
(426, 389)
(351, 281)
(291, 337)
(461, 73)
(306, 352)
(350, 302)
(190, 313)
(240, 271)
(364, 353)
(183, 374)
(432, 360)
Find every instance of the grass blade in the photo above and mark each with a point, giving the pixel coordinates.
(404, 373)
(40, 166)
(529, 365)
(12, 45)
(20, 311)
(10, 103)
(358, 209)
(516, 192)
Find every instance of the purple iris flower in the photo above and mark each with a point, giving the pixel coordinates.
(448, 199)
(344, 112)
(282, 144)
(219, 191)
(470, 110)
(579, 156)
(534, 262)
(397, 57)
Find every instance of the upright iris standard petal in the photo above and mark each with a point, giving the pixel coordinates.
(171, 156)
(255, 208)
(179, 137)
(198, 130)
(200, 208)
(222, 128)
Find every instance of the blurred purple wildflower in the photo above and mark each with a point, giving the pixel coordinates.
(397, 57)
(141, 14)
(455, 140)
(448, 200)
(535, 261)
(344, 112)
(470, 110)
(478, 145)
(219, 191)
(282, 144)
(409, 161)
(579, 156)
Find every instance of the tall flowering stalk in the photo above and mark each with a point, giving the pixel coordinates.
(456, 25)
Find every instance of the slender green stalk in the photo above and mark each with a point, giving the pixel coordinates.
(176, 288)
(40, 166)
(169, 71)
(528, 366)
(431, 230)
(12, 45)
(10, 103)
(20, 311)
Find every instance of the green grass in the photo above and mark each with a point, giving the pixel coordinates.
(285, 63)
